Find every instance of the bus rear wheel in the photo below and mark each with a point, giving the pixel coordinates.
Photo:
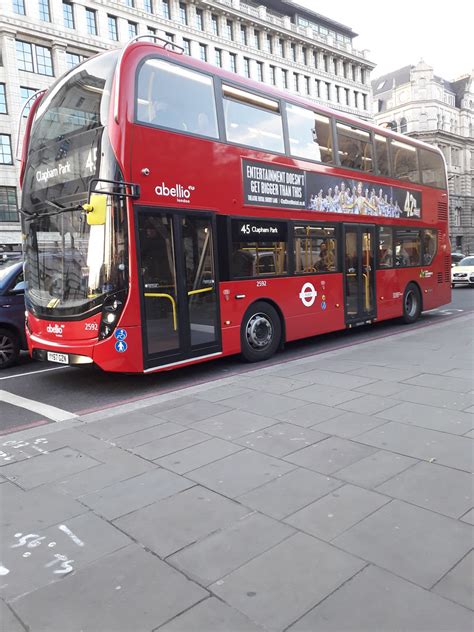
(260, 333)
(411, 304)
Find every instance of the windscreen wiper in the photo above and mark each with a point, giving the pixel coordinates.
(58, 209)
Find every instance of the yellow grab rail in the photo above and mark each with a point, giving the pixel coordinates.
(173, 303)
(203, 289)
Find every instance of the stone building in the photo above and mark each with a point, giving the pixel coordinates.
(415, 101)
(274, 41)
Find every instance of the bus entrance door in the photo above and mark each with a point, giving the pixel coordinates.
(359, 273)
(178, 277)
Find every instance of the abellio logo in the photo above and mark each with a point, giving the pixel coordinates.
(180, 192)
(55, 329)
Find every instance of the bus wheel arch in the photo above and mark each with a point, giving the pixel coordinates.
(412, 305)
(262, 330)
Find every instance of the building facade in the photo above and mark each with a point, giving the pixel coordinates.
(414, 101)
(273, 41)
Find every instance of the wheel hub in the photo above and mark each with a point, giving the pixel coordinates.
(259, 331)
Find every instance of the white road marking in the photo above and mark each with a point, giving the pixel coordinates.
(56, 368)
(51, 412)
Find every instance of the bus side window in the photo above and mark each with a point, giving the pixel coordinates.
(253, 253)
(407, 247)
(430, 246)
(315, 249)
(175, 97)
(385, 251)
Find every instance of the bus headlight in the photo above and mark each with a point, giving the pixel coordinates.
(111, 311)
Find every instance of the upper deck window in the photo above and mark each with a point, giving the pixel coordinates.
(252, 120)
(433, 172)
(381, 153)
(309, 134)
(404, 161)
(175, 97)
(355, 148)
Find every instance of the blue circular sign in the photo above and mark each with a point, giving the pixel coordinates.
(120, 346)
(120, 334)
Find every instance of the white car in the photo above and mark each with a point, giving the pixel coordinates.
(463, 273)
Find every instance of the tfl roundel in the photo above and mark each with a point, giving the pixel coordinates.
(308, 294)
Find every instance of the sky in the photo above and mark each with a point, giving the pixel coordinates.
(401, 33)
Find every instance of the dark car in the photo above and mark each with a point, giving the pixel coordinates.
(12, 312)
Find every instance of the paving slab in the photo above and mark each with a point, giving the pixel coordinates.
(280, 439)
(333, 514)
(420, 443)
(161, 447)
(409, 541)
(135, 439)
(288, 493)
(264, 403)
(468, 517)
(308, 415)
(118, 592)
(348, 425)
(34, 509)
(198, 455)
(211, 615)
(451, 421)
(435, 397)
(126, 496)
(442, 382)
(195, 411)
(368, 404)
(219, 393)
(36, 558)
(46, 468)
(333, 378)
(435, 487)
(326, 395)
(330, 455)
(168, 525)
(458, 583)
(375, 600)
(120, 425)
(276, 384)
(8, 620)
(386, 373)
(382, 388)
(234, 424)
(281, 585)
(375, 469)
(239, 473)
(224, 551)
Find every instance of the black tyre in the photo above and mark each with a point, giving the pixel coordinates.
(411, 304)
(9, 348)
(260, 333)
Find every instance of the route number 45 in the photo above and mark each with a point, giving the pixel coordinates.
(91, 162)
(245, 229)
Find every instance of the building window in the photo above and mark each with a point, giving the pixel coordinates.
(326, 63)
(307, 85)
(403, 125)
(338, 95)
(215, 24)
(72, 59)
(148, 6)
(296, 82)
(293, 52)
(129, 3)
(132, 29)
(8, 204)
(151, 31)
(19, 7)
(273, 75)
(281, 47)
(305, 56)
(318, 87)
(25, 94)
(218, 58)
(246, 67)
(243, 34)
(3, 99)
(233, 62)
(68, 15)
(91, 21)
(269, 43)
(315, 58)
(5, 150)
(183, 13)
(203, 52)
(165, 9)
(335, 63)
(34, 58)
(256, 39)
(169, 36)
(364, 101)
(285, 78)
(44, 12)
(200, 19)
(363, 75)
(228, 30)
(112, 24)
(187, 46)
(260, 70)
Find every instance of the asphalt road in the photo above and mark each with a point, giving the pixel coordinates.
(81, 390)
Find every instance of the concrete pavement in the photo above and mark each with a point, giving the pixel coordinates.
(332, 492)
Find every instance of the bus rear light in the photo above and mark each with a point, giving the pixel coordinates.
(111, 311)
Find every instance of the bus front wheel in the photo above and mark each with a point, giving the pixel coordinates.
(411, 304)
(260, 333)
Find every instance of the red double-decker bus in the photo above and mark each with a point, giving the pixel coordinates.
(174, 212)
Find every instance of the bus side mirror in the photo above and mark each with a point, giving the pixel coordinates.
(96, 209)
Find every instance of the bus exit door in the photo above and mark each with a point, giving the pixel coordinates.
(359, 273)
(177, 264)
